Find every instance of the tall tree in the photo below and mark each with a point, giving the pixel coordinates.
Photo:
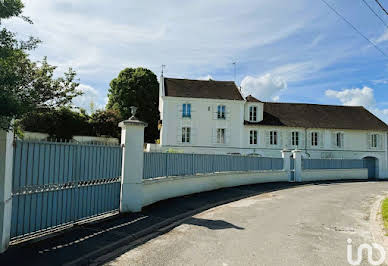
(26, 86)
(137, 87)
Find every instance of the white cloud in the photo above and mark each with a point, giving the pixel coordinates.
(359, 97)
(266, 87)
(383, 37)
(354, 97)
(90, 97)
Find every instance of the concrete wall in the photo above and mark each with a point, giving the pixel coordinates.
(333, 174)
(163, 188)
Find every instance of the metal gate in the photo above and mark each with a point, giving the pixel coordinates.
(57, 183)
(370, 164)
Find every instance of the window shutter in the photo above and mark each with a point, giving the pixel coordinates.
(227, 136)
(215, 112)
(342, 140)
(214, 135)
(193, 135)
(267, 138)
(289, 138)
(179, 135)
(321, 139)
(379, 141)
(369, 140)
(333, 139)
(309, 139)
(301, 139)
(280, 138)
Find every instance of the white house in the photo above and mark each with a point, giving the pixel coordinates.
(199, 116)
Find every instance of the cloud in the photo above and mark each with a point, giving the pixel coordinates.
(383, 37)
(91, 99)
(266, 87)
(359, 97)
(354, 97)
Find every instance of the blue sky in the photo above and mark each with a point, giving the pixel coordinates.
(288, 51)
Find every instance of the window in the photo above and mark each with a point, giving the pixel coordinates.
(339, 139)
(186, 134)
(186, 110)
(252, 113)
(374, 138)
(221, 135)
(221, 112)
(253, 137)
(273, 137)
(314, 138)
(295, 138)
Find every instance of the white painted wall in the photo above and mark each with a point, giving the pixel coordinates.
(169, 187)
(333, 174)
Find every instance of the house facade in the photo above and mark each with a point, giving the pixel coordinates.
(200, 116)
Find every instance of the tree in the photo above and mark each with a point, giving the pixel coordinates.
(137, 87)
(26, 86)
(105, 123)
(61, 123)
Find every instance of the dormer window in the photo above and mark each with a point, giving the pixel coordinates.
(253, 113)
(221, 111)
(186, 110)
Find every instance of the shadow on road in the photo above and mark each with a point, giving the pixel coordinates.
(212, 224)
(102, 241)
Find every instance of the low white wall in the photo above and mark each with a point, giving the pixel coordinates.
(161, 188)
(334, 174)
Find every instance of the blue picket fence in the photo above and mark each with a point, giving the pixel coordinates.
(55, 184)
(179, 164)
(332, 163)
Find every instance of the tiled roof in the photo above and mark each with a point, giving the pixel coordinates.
(209, 89)
(319, 116)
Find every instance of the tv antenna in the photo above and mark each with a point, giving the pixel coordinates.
(163, 67)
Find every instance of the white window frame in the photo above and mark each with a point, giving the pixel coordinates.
(221, 110)
(374, 140)
(253, 113)
(220, 135)
(314, 139)
(273, 137)
(253, 137)
(295, 138)
(339, 139)
(186, 134)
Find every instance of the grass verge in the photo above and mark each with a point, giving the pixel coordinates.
(384, 213)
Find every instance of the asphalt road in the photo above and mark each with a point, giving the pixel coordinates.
(305, 225)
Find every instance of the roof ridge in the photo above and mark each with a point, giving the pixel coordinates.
(204, 80)
(337, 105)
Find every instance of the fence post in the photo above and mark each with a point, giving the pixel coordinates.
(6, 163)
(286, 154)
(132, 140)
(297, 155)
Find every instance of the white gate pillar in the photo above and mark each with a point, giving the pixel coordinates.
(132, 141)
(297, 155)
(286, 154)
(6, 162)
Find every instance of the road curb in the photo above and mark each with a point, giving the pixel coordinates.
(376, 224)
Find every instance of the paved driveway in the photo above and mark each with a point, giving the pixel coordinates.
(305, 225)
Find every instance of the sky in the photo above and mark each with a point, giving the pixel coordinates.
(286, 51)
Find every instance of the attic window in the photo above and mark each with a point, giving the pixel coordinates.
(253, 113)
